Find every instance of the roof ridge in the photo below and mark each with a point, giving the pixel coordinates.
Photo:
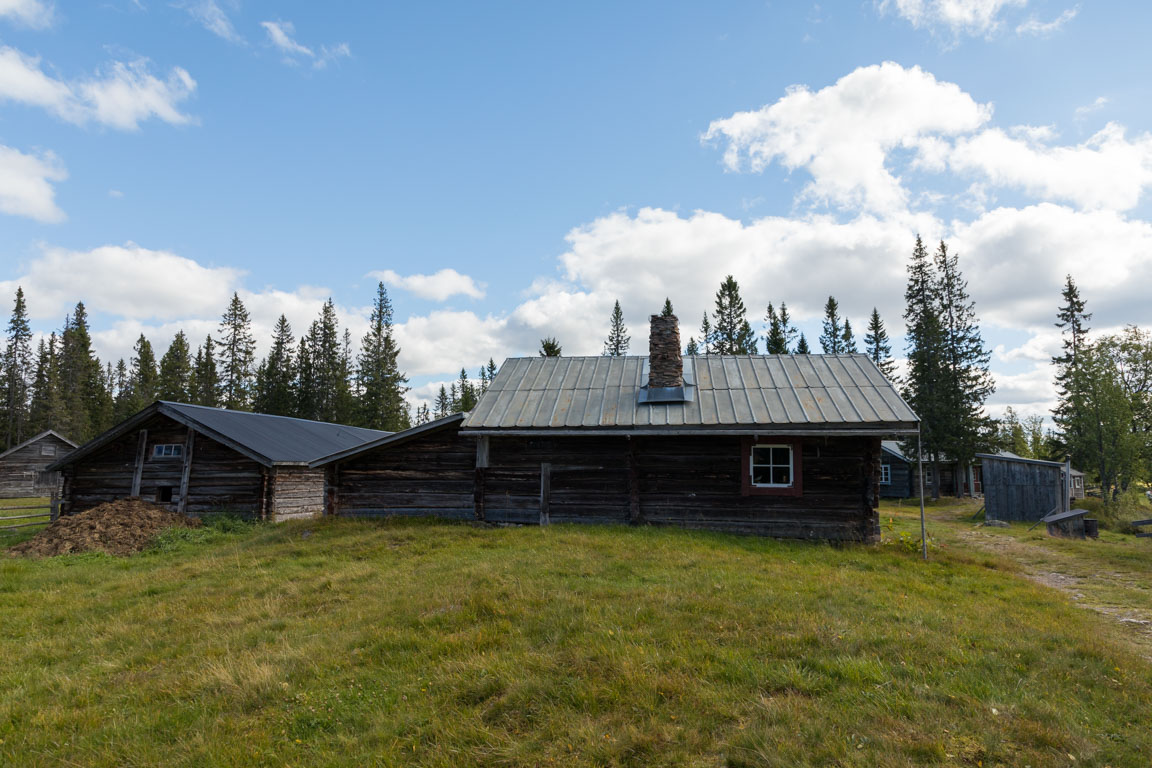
(268, 415)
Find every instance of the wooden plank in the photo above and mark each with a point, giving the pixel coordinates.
(141, 447)
(633, 486)
(1134, 522)
(37, 506)
(186, 472)
(25, 517)
(545, 491)
(29, 525)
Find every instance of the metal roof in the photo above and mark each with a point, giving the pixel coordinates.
(725, 393)
(394, 438)
(31, 440)
(264, 438)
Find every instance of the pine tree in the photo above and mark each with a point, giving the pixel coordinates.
(878, 347)
(465, 393)
(1070, 411)
(176, 371)
(667, 310)
(17, 373)
(237, 355)
(832, 337)
(142, 381)
(382, 384)
(849, 339)
(205, 384)
(550, 347)
(618, 338)
(732, 334)
(706, 334)
(87, 406)
(276, 376)
(693, 348)
(492, 370)
(120, 385)
(802, 346)
(776, 339)
(305, 390)
(423, 416)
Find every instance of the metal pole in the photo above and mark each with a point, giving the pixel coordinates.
(1067, 483)
(920, 462)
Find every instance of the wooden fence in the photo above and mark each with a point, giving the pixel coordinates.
(52, 512)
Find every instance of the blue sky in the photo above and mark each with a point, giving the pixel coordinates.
(512, 169)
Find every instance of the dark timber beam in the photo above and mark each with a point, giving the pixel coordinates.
(545, 491)
(141, 447)
(186, 473)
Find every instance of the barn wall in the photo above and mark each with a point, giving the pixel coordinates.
(1017, 490)
(22, 472)
(220, 478)
(901, 485)
(687, 481)
(431, 474)
(296, 492)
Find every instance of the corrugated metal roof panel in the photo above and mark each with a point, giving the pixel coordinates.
(746, 391)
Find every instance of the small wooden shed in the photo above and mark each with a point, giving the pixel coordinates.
(199, 459)
(1022, 489)
(24, 468)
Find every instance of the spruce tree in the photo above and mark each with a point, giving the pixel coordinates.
(967, 381)
(802, 346)
(382, 384)
(550, 347)
(306, 396)
(17, 373)
(693, 348)
(329, 367)
(443, 405)
(176, 371)
(789, 329)
(618, 338)
(205, 383)
(667, 310)
(775, 340)
(706, 335)
(923, 386)
(1070, 412)
(465, 393)
(46, 409)
(732, 333)
(142, 380)
(849, 339)
(84, 396)
(492, 370)
(878, 347)
(423, 416)
(832, 337)
(237, 356)
(276, 376)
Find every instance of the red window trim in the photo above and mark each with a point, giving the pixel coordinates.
(797, 487)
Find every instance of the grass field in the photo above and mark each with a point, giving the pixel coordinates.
(8, 538)
(336, 643)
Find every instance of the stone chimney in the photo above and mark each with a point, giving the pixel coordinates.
(665, 366)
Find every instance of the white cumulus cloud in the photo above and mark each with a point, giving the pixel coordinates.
(29, 13)
(971, 17)
(26, 184)
(842, 134)
(439, 286)
(122, 95)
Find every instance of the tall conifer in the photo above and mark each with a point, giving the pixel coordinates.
(237, 355)
(382, 384)
(618, 338)
(17, 373)
(832, 335)
(176, 371)
(878, 347)
(276, 376)
(732, 333)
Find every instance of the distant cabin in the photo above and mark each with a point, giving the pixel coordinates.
(898, 474)
(1016, 488)
(198, 460)
(779, 445)
(23, 469)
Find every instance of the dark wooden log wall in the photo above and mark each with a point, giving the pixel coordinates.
(429, 475)
(901, 486)
(687, 481)
(220, 479)
(22, 472)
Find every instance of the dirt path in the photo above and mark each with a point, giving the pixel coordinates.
(1123, 596)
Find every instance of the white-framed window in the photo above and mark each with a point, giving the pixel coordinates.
(885, 474)
(771, 466)
(167, 451)
(47, 450)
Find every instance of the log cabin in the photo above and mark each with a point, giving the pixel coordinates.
(199, 460)
(24, 468)
(778, 445)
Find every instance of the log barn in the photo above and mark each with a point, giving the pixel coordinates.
(200, 459)
(1016, 488)
(24, 468)
(778, 445)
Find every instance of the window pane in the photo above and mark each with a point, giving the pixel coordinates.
(761, 476)
(781, 475)
(761, 455)
(781, 455)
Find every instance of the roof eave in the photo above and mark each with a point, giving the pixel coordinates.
(834, 430)
(392, 440)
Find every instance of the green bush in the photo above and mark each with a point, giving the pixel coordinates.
(1118, 514)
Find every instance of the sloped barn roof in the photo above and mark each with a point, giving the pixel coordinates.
(31, 440)
(266, 439)
(729, 393)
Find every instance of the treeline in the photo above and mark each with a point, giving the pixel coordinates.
(64, 386)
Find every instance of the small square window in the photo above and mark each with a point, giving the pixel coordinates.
(167, 451)
(164, 494)
(771, 466)
(885, 474)
(47, 450)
